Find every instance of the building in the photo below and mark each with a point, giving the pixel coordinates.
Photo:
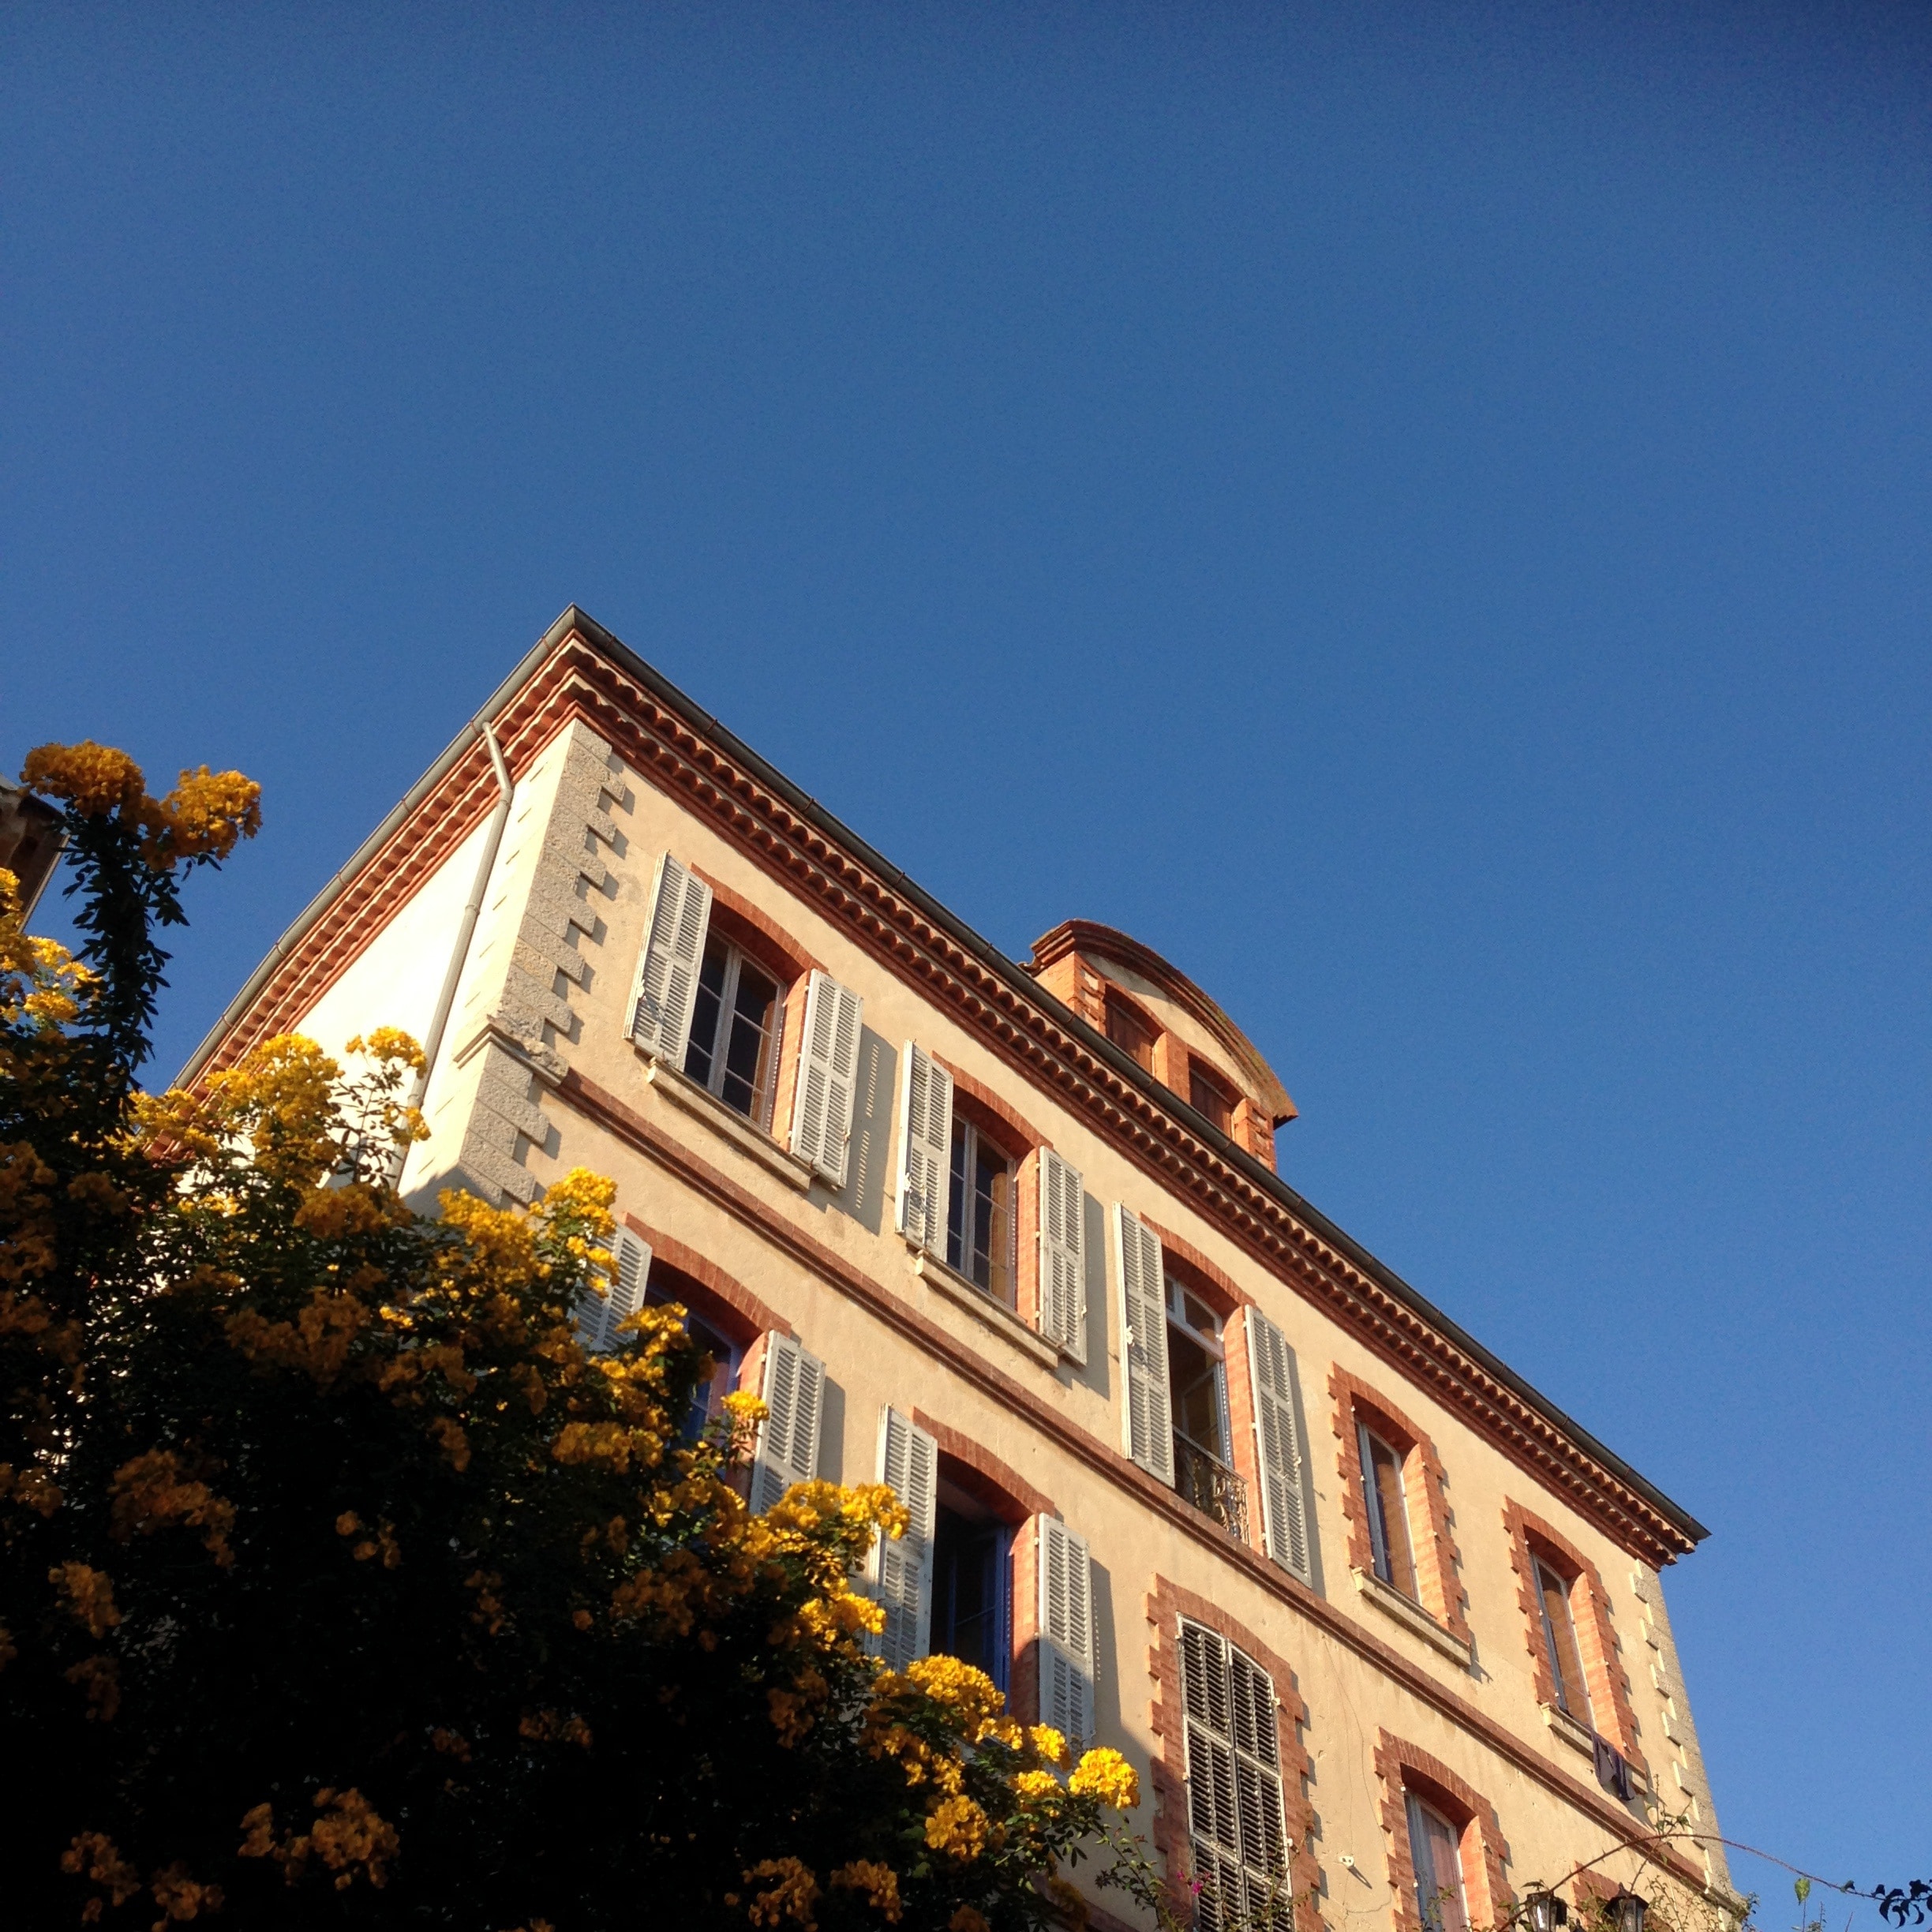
(1192, 1472)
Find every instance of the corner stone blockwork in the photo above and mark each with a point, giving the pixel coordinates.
(559, 833)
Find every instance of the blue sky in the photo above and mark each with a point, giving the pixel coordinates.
(1419, 513)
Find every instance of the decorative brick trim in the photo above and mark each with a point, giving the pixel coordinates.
(731, 1293)
(1026, 1139)
(1589, 1611)
(892, 1310)
(772, 946)
(1007, 1482)
(1403, 1768)
(691, 760)
(1589, 1892)
(1221, 1286)
(1438, 1563)
(1166, 1604)
(1023, 1699)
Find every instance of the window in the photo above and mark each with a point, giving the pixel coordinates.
(980, 1212)
(1388, 1511)
(971, 1584)
(1559, 1639)
(1436, 1851)
(708, 1400)
(1197, 1383)
(1209, 1096)
(1130, 1032)
(734, 1035)
(1235, 1827)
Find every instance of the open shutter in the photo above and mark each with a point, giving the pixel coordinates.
(1149, 1425)
(666, 985)
(1278, 1446)
(828, 1076)
(925, 1149)
(599, 1316)
(793, 1390)
(1062, 1254)
(902, 1570)
(1066, 1635)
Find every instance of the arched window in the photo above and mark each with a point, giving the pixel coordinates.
(1435, 1852)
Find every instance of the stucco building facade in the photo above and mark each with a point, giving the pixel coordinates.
(1192, 1474)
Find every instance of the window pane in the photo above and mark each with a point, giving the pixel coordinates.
(1125, 1030)
(1436, 1850)
(993, 1231)
(1388, 1510)
(957, 1231)
(1194, 1378)
(1559, 1634)
(747, 1052)
(705, 1010)
(969, 1592)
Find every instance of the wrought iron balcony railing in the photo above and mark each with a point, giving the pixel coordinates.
(1214, 1488)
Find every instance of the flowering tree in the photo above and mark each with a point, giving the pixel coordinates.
(340, 1586)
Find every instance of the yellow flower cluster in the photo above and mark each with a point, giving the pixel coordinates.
(100, 1677)
(150, 1493)
(206, 813)
(89, 1594)
(878, 1882)
(94, 1856)
(202, 817)
(957, 1826)
(96, 779)
(793, 1895)
(1106, 1775)
(350, 1837)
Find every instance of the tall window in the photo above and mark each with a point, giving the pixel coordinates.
(1436, 1850)
(734, 1035)
(1210, 1096)
(1559, 1640)
(1235, 1827)
(1197, 1383)
(971, 1585)
(980, 1212)
(1388, 1510)
(1130, 1032)
(668, 1284)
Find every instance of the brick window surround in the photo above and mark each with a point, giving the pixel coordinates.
(1436, 1558)
(1166, 1604)
(746, 1310)
(1529, 1538)
(1403, 1768)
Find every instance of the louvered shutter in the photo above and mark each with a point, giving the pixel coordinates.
(1236, 1826)
(1149, 1424)
(1066, 1635)
(666, 985)
(828, 1076)
(1278, 1446)
(902, 1570)
(599, 1316)
(1062, 1254)
(925, 1149)
(793, 1390)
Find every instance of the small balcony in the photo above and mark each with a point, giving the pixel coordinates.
(1205, 1480)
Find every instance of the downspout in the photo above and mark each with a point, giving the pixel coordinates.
(459, 952)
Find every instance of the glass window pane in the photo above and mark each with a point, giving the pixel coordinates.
(956, 1201)
(1382, 1468)
(705, 1009)
(1559, 1635)
(747, 1051)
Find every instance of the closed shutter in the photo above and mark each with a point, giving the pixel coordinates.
(1066, 1634)
(1149, 1429)
(902, 1570)
(793, 1390)
(1278, 1446)
(1235, 1823)
(925, 1149)
(666, 985)
(828, 1076)
(1062, 1254)
(599, 1316)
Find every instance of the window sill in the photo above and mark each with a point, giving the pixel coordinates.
(974, 1299)
(1579, 1737)
(702, 1104)
(1411, 1616)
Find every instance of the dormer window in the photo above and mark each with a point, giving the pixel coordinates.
(1130, 1032)
(1212, 1096)
(734, 1035)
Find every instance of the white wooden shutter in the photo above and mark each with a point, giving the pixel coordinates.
(598, 1316)
(1062, 1254)
(902, 1570)
(1148, 1430)
(793, 1391)
(925, 1149)
(1278, 1446)
(828, 1079)
(666, 985)
(1066, 1634)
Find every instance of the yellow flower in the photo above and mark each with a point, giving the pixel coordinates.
(1048, 1745)
(94, 779)
(880, 1884)
(1106, 1775)
(966, 1919)
(791, 1897)
(958, 1826)
(1036, 1787)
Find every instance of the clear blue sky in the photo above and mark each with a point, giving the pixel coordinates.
(1419, 512)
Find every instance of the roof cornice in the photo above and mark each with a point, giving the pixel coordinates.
(580, 669)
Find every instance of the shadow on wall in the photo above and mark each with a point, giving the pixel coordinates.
(1108, 1719)
(868, 1166)
(831, 1434)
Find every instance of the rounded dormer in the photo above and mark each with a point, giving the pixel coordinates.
(1162, 1020)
